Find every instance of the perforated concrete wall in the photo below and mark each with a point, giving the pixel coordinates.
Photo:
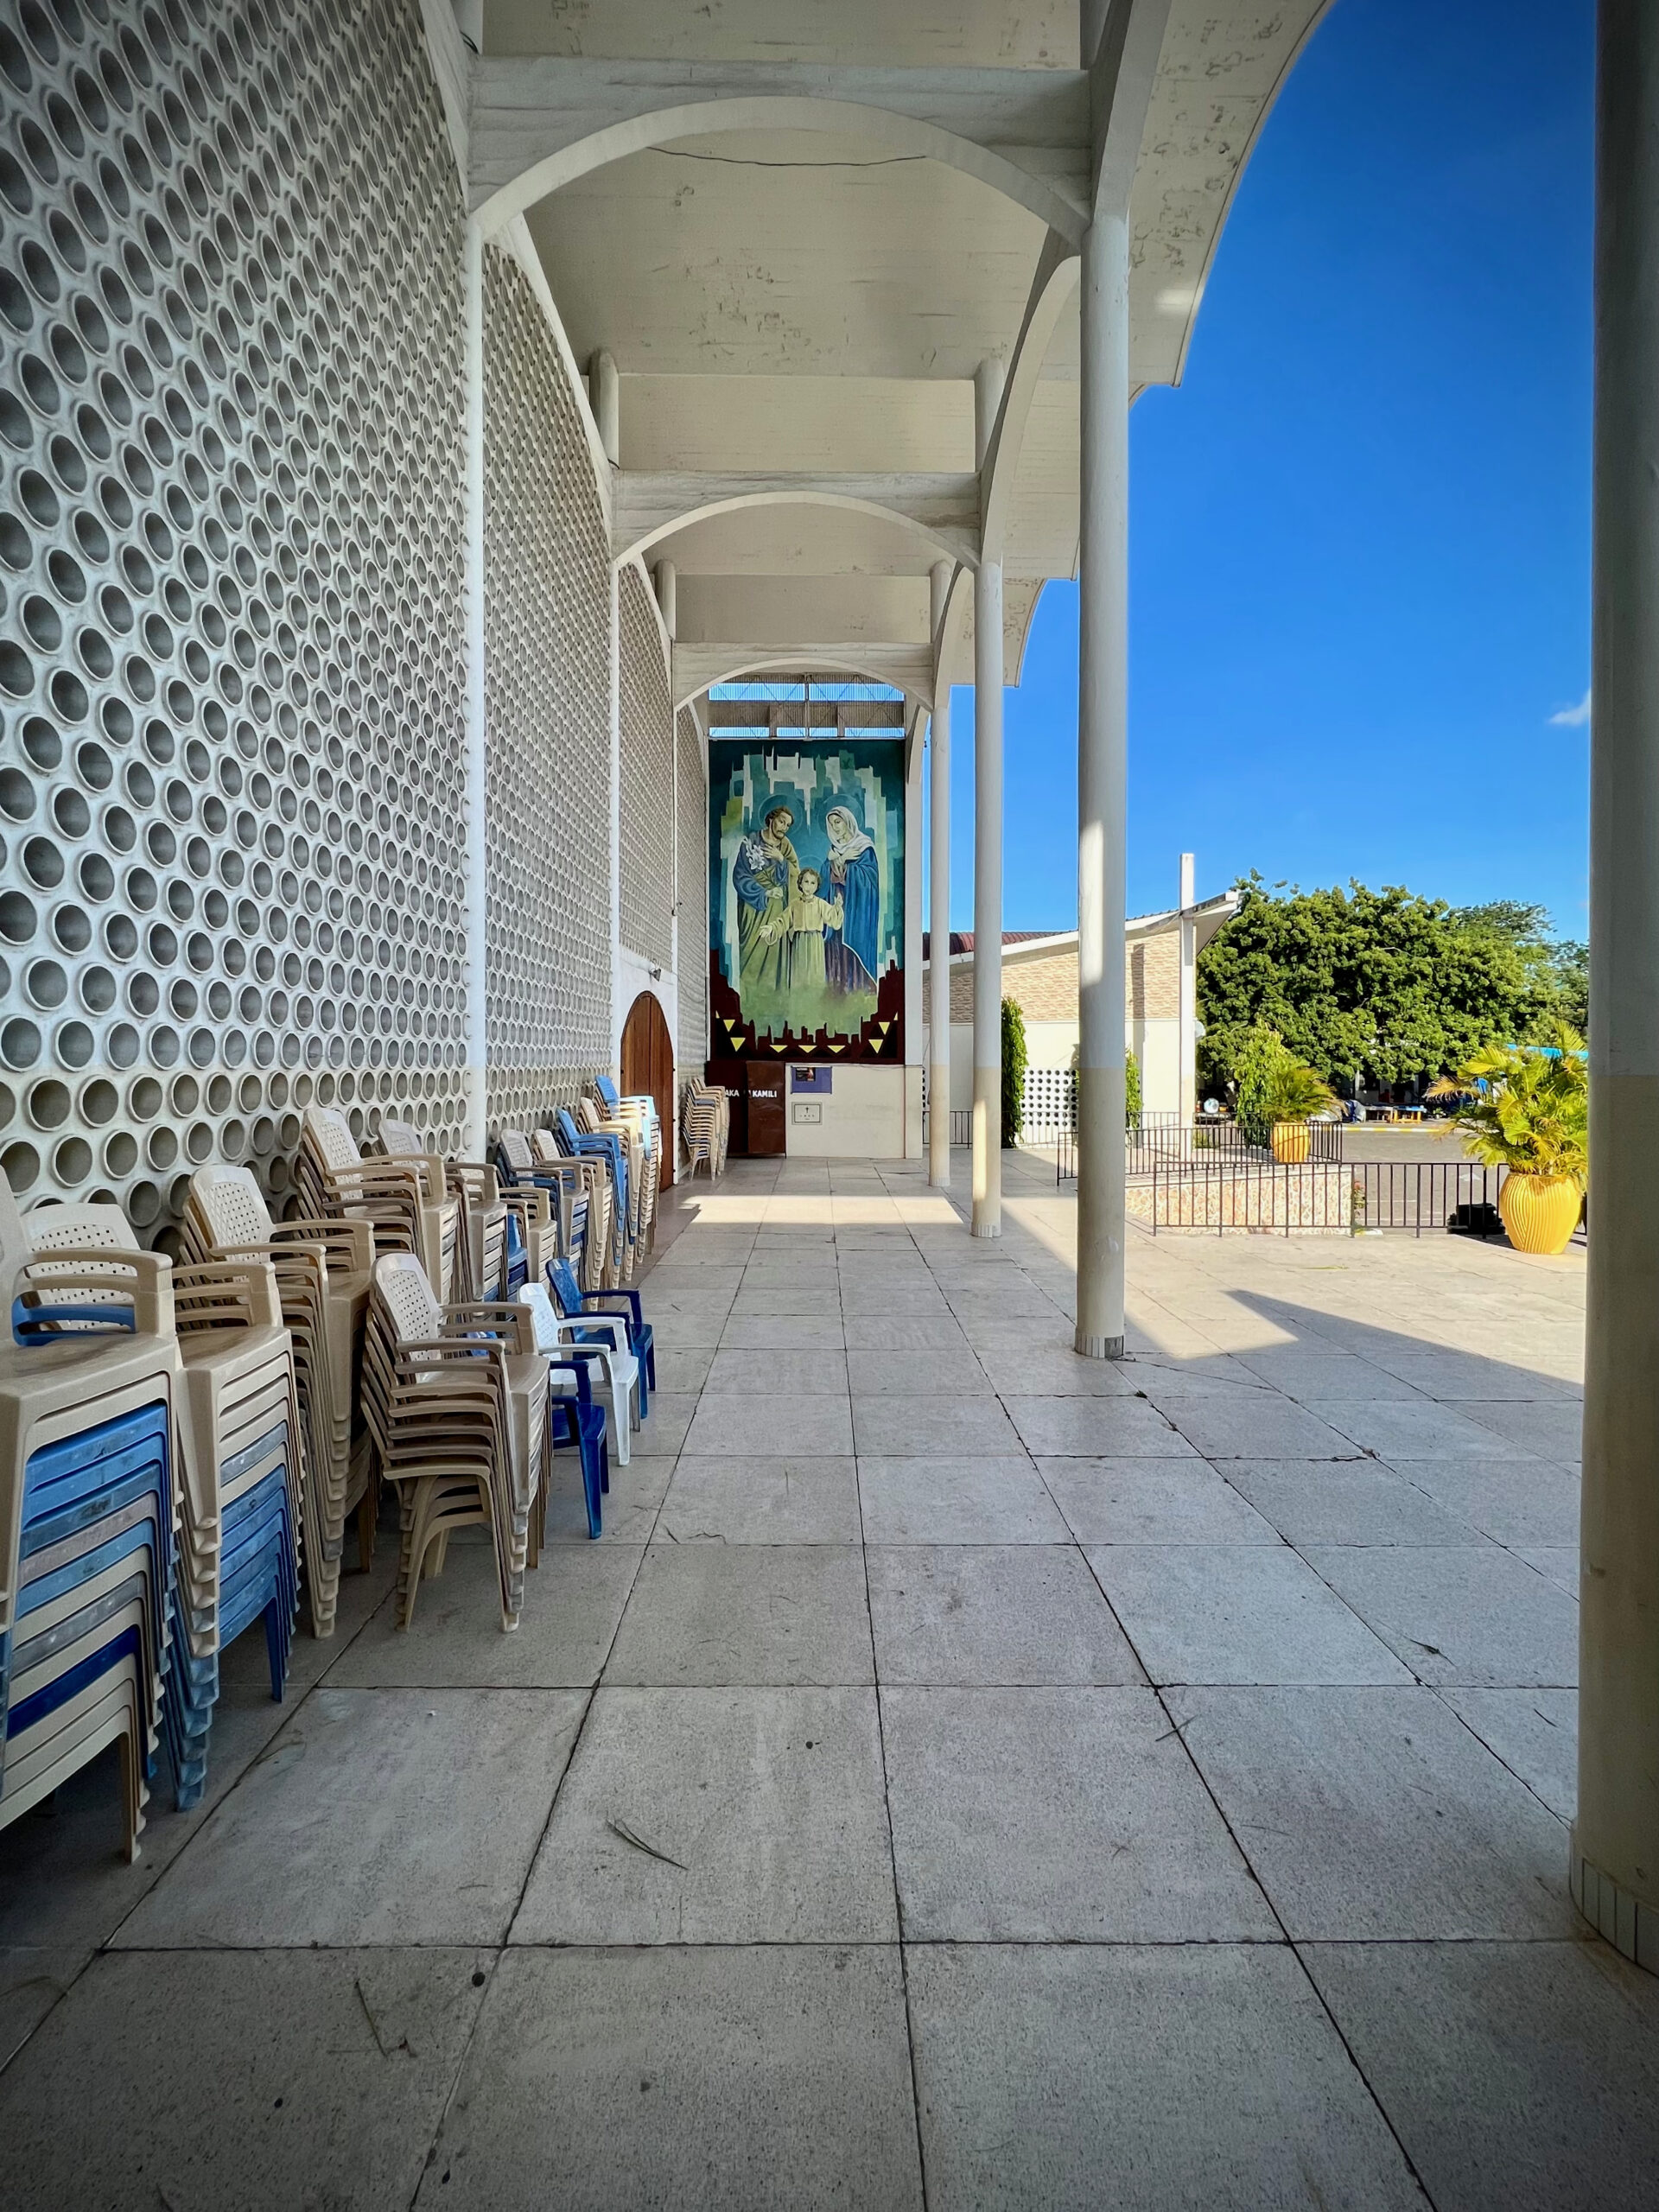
(230, 559)
(692, 1029)
(647, 795)
(547, 680)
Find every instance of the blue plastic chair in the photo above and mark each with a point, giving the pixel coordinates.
(577, 1424)
(572, 1302)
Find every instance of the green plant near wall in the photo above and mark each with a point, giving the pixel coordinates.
(1274, 1085)
(1013, 1072)
(1527, 1108)
(1132, 1091)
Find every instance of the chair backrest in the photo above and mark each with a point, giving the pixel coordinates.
(564, 1129)
(544, 1320)
(401, 1281)
(80, 1229)
(607, 1092)
(547, 1148)
(514, 1148)
(567, 1292)
(330, 1133)
(231, 1206)
(402, 1139)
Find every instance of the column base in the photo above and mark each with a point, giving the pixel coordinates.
(985, 1228)
(1628, 1922)
(1097, 1347)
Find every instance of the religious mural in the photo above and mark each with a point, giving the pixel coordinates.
(807, 897)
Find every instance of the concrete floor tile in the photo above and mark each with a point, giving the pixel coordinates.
(630, 1505)
(1050, 1371)
(1403, 1430)
(782, 1501)
(1260, 1426)
(716, 1614)
(1152, 1501)
(1096, 1428)
(1305, 1375)
(739, 2079)
(1375, 1813)
(1236, 1613)
(752, 1425)
(811, 1300)
(718, 1816)
(904, 1372)
(663, 1433)
(1535, 1732)
(1012, 1615)
(817, 1371)
(1344, 1502)
(1456, 1376)
(1057, 1816)
(284, 2078)
(966, 1427)
(1520, 2077)
(1557, 1563)
(928, 1501)
(32, 1980)
(679, 1327)
(685, 1369)
(1053, 2075)
(573, 1601)
(1515, 1501)
(780, 1333)
(930, 1331)
(1553, 1428)
(869, 1299)
(1465, 1614)
(376, 1817)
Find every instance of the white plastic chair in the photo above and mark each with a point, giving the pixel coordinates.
(620, 1392)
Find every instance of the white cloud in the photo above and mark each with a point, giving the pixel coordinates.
(1572, 717)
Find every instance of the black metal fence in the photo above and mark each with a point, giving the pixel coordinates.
(1156, 1144)
(962, 1127)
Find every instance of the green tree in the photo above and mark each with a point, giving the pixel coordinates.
(1132, 1091)
(1380, 983)
(1014, 1071)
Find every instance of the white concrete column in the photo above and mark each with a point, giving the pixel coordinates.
(665, 577)
(1186, 1032)
(1615, 1851)
(619, 982)
(605, 392)
(938, 864)
(988, 380)
(474, 1131)
(1103, 800)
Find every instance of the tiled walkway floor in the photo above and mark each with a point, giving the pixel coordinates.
(962, 1775)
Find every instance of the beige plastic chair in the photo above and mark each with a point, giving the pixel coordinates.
(403, 1199)
(600, 1250)
(51, 1391)
(591, 1117)
(323, 1269)
(457, 1397)
(706, 1121)
(481, 1236)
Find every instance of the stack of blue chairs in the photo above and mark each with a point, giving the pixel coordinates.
(88, 1521)
(599, 1144)
(572, 1303)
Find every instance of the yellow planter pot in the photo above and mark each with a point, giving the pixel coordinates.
(1292, 1141)
(1539, 1211)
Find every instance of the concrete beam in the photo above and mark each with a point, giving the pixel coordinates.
(941, 507)
(907, 667)
(538, 123)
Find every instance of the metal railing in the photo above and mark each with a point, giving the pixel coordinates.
(962, 1127)
(1157, 1143)
(1420, 1194)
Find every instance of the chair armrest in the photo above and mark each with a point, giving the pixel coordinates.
(146, 1278)
(356, 1237)
(514, 1324)
(227, 1295)
(597, 1299)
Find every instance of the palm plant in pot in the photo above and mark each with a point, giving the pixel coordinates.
(1277, 1095)
(1527, 1108)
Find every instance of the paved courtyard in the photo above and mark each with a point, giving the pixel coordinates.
(962, 1774)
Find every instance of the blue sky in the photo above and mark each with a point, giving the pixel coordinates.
(1360, 548)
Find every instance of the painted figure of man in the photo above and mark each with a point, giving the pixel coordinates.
(851, 952)
(765, 876)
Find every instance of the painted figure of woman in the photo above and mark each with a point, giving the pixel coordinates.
(764, 876)
(851, 952)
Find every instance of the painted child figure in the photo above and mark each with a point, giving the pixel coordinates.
(808, 918)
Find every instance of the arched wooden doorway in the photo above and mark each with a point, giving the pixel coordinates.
(648, 1064)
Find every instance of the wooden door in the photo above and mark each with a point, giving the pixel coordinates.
(648, 1064)
(764, 1080)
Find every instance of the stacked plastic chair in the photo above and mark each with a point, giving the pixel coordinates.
(458, 1398)
(239, 1477)
(88, 1514)
(322, 1269)
(575, 1143)
(403, 1200)
(613, 1372)
(595, 1311)
(641, 1136)
(481, 1233)
(706, 1120)
(574, 1196)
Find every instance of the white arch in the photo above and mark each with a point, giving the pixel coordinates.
(498, 202)
(957, 542)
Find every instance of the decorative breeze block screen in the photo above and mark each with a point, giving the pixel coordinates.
(647, 776)
(692, 975)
